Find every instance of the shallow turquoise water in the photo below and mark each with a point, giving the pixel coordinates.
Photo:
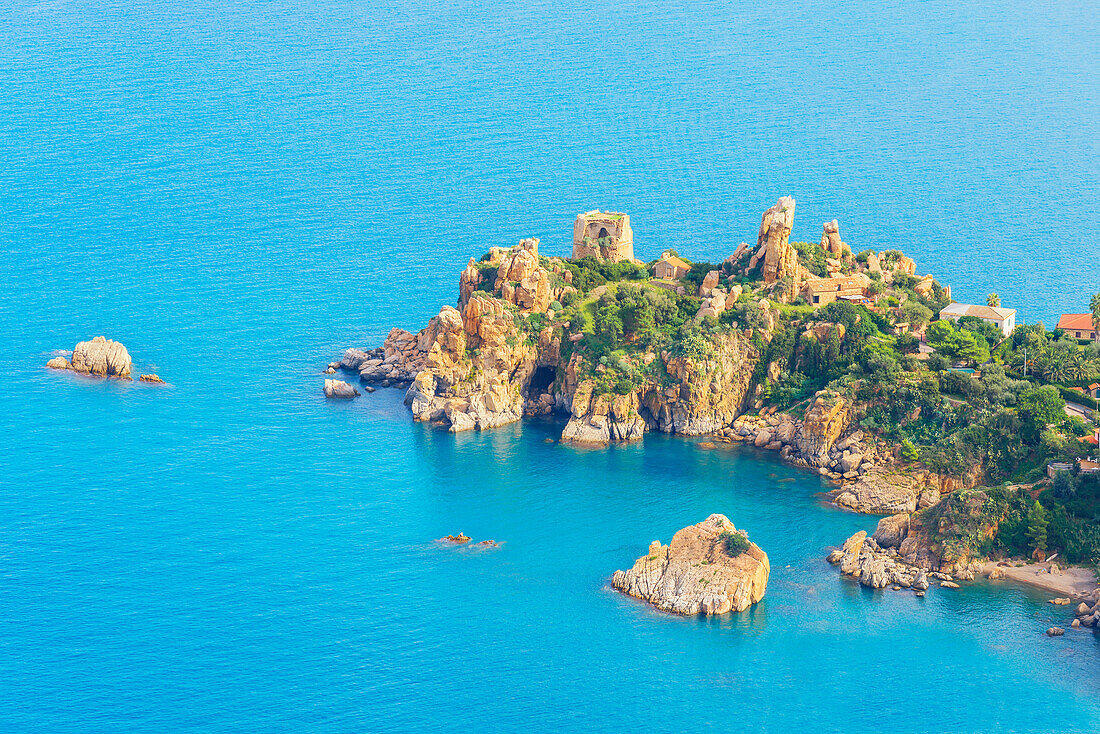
(237, 193)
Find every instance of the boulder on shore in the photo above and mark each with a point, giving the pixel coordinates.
(340, 389)
(100, 357)
(696, 574)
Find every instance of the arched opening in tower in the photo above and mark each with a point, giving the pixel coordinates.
(603, 234)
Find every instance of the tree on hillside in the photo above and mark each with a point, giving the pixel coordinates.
(1039, 407)
(993, 300)
(1094, 305)
(1037, 529)
(915, 313)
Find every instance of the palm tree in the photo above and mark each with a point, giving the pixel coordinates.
(1094, 306)
(993, 300)
(1057, 367)
(1078, 366)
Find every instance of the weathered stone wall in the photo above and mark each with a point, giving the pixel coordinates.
(606, 235)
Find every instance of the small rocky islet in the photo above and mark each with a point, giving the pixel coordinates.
(101, 357)
(708, 568)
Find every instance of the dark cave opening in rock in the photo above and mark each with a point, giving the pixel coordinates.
(541, 380)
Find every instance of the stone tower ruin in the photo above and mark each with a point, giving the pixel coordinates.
(606, 235)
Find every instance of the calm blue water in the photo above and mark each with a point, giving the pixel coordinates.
(237, 191)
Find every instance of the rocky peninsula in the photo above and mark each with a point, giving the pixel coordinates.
(837, 361)
(708, 568)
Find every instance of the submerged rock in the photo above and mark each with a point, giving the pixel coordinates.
(340, 389)
(696, 574)
(1055, 632)
(152, 378)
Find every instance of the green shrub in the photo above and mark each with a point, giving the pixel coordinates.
(735, 543)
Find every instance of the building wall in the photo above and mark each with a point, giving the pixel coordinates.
(1005, 326)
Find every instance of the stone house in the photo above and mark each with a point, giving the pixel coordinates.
(1077, 325)
(605, 235)
(670, 267)
(1003, 318)
(823, 291)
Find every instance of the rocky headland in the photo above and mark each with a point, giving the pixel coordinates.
(708, 568)
(808, 350)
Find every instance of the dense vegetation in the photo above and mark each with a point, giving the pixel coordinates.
(981, 405)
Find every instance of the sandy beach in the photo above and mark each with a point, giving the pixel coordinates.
(1073, 581)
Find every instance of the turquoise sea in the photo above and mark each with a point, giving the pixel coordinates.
(238, 191)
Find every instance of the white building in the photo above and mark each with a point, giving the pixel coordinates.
(1003, 318)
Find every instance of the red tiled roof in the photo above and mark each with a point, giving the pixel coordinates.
(1075, 321)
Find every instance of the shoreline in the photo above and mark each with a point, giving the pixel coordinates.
(1076, 582)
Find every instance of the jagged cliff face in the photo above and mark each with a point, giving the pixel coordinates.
(478, 366)
(773, 242)
(710, 393)
(706, 395)
(825, 421)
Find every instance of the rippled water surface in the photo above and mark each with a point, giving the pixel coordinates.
(237, 191)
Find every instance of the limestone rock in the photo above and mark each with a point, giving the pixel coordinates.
(773, 241)
(880, 492)
(59, 363)
(710, 282)
(101, 357)
(710, 392)
(152, 378)
(996, 573)
(1055, 632)
(824, 422)
(468, 282)
(694, 574)
(340, 389)
(603, 418)
(830, 239)
(891, 531)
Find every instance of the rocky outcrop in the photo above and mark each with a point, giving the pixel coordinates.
(99, 357)
(696, 574)
(709, 391)
(520, 279)
(395, 363)
(880, 492)
(773, 242)
(477, 367)
(876, 567)
(710, 282)
(603, 418)
(948, 535)
(830, 240)
(605, 235)
(155, 379)
(340, 390)
(891, 531)
(824, 423)
(468, 282)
